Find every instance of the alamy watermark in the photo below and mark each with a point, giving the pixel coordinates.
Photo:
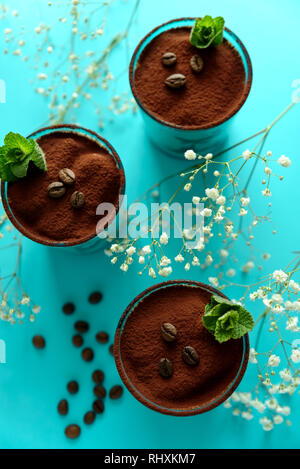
(139, 220)
(2, 351)
(2, 92)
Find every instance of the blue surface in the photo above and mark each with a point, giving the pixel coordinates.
(31, 382)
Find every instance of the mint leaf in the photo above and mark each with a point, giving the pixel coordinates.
(219, 24)
(226, 320)
(20, 170)
(38, 157)
(207, 31)
(16, 154)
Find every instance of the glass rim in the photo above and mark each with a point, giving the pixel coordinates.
(188, 411)
(72, 128)
(248, 83)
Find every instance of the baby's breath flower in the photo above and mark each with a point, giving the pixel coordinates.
(179, 258)
(212, 193)
(280, 276)
(214, 281)
(267, 424)
(253, 356)
(114, 260)
(245, 201)
(187, 187)
(273, 361)
(294, 286)
(247, 154)
(190, 155)
(292, 324)
(284, 161)
(124, 267)
(295, 356)
(266, 192)
(221, 200)
(206, 212)
(147, 249)
(131, 250)
(165, 271)
(164, 238)
(141, 260)
(196, 200)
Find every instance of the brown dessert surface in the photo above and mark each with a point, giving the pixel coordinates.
(97, 177)
(208, 97)
(142, 348)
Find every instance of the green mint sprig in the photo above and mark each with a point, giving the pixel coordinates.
(207, 31)
(226, 320)
(16, 154)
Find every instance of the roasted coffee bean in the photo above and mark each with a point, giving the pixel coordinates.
(89, 417)
(168, 332)
(176, 81)
(73, 387)
(169, 59)
(102, 337)
(81, 326)
(77, 340)
(67, 176)
(197, 63)
(72, 431)
(68, 308)
(95, 297)
(87, 354)
(165, 368)
(77, 199)
(111, 350)
(190, 356)
(39, 341)
(98, 376)
(116, 392)
(63, 407)
(56, 190)
(99, 391)
(98, 406)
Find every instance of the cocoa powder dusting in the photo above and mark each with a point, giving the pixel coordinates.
(142, 348)
(208, 97)
(97, 177)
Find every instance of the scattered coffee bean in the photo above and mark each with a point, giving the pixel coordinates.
(102, 337)
(116, 392)
(87, 354)
(95, 297)
(67, 176)
(98, 406)
(68, 308)
(72, 431)
(77, 340)
(39, 341)
(111, 349)
(73, 387)
(197, 63)
(190, 356)
(165, 368)
(176, 81)
(82, 326)
(99, 391)
(77, 199)
(89, 417)
(168, 332)
(98, 376)
(56, 190)
(169, 59)
(63, 407)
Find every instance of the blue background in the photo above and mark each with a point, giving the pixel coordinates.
(32, 382)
